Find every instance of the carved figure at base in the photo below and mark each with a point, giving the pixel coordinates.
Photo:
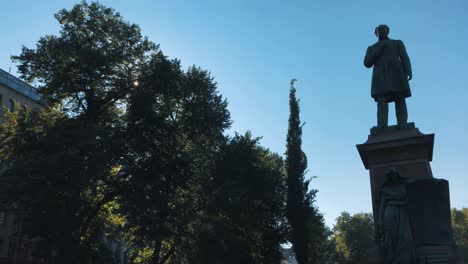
(390, 77)
(394, 229)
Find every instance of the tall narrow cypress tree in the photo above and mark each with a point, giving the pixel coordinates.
(307, 226)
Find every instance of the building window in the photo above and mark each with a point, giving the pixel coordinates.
(11, 105)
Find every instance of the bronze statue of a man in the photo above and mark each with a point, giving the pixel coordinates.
(392, 71)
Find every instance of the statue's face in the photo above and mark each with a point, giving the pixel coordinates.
(381, 31)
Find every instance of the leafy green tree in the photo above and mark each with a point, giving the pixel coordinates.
(175, 124)
(84, 73)
(331, 255)
(460, 229)
(353, 236)
(307, 225)
(245, 217)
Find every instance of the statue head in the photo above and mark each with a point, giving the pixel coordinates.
(393, 178)
(382, 31)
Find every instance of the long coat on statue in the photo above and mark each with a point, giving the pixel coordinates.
(391, 68)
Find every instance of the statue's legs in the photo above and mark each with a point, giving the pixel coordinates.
(382, 112)
(401, 111)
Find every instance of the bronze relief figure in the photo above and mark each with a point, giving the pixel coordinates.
(394, 228)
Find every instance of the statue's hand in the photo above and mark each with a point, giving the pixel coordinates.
(383, 43)
(410, 76)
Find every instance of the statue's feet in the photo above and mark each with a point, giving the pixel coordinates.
(403, 125)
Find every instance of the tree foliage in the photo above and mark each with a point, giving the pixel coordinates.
(244, 219)
(353, 237)
(84, 73)
(307, 224)
(175, 123)
(460, 229)
(129, 146)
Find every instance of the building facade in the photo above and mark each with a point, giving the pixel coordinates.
(13, 90)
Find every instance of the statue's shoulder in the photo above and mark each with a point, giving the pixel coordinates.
(374, 45)
(397, 41)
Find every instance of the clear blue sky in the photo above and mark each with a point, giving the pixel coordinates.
(254, 48)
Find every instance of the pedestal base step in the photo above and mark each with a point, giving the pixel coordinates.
(435, 258)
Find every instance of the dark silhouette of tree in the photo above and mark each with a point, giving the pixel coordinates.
(307, 225)
(175, 125)
(84, 73)
(130, 146)
(244, 220)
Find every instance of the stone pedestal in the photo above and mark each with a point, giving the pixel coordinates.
(409, 152)
(404, 149)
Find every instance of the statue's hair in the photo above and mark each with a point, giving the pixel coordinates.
(384, 26)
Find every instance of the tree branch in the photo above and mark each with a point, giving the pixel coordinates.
(168, 254)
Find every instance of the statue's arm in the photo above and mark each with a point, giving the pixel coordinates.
(372, 54)
(405, 60)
